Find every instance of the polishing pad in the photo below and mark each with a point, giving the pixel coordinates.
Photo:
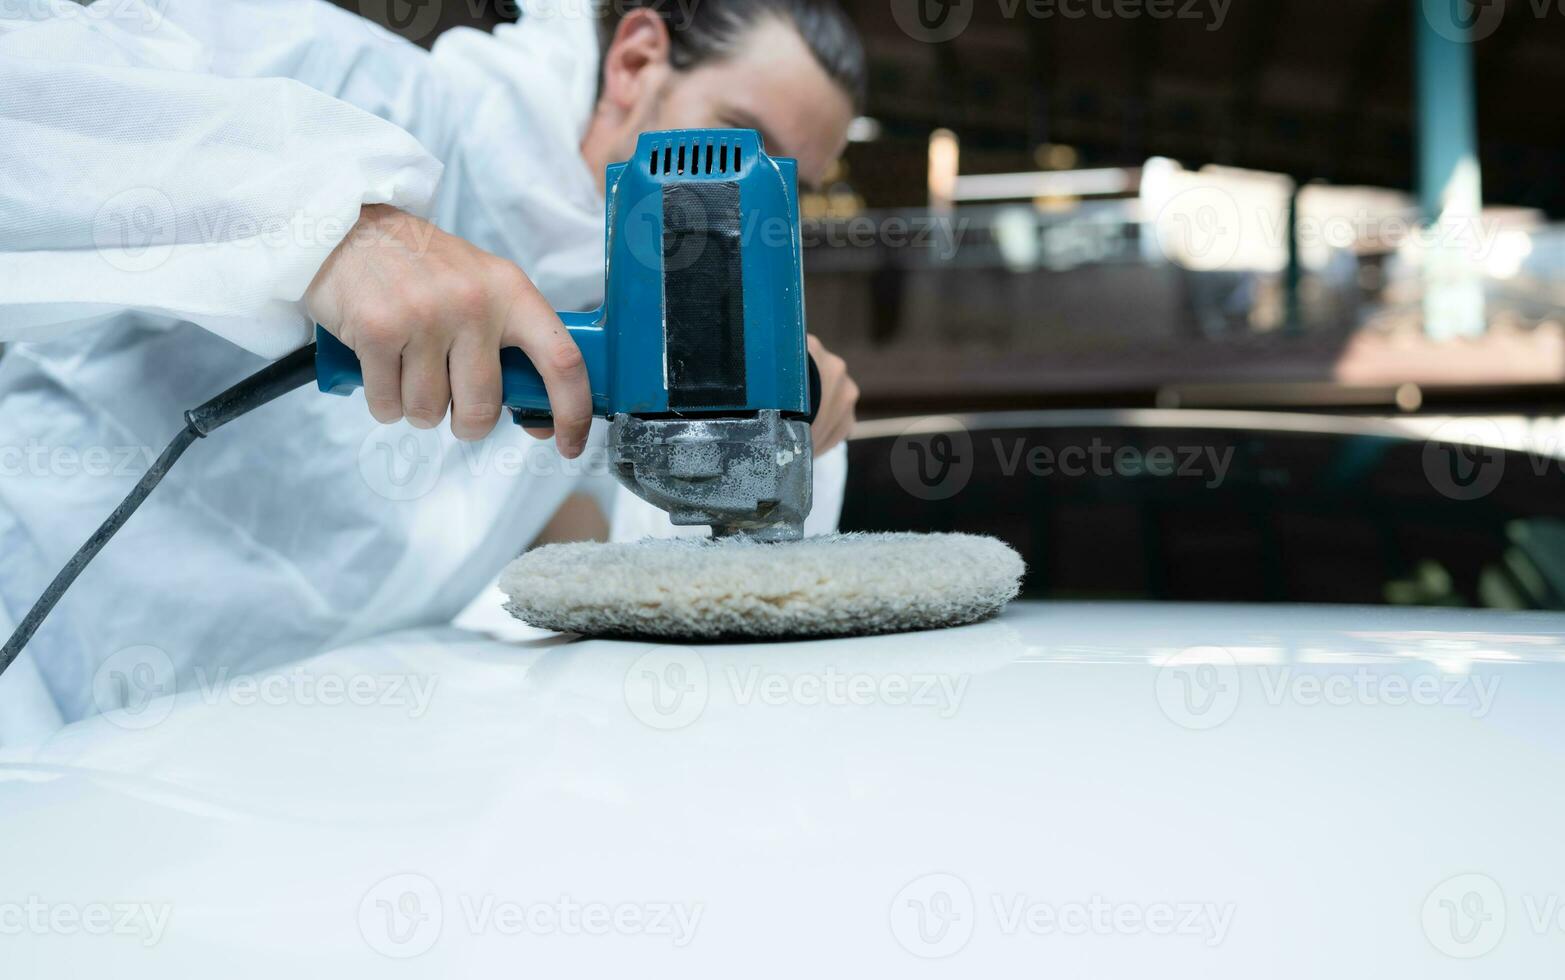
(730, 588)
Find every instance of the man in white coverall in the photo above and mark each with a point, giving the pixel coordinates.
(189, 185)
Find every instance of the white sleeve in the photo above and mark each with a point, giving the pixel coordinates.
(137, 178)
(831, 485)
(633, 518)
(504, 110)
(331, 50)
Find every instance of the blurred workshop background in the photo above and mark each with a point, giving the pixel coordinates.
(1306, 238)
(1187, 202)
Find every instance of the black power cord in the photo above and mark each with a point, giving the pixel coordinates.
(277, 378)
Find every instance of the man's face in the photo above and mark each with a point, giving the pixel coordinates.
(772, 84)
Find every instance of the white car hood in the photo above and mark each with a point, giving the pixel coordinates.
(1069, 790)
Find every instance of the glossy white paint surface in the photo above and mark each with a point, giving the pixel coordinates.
(1073, 790)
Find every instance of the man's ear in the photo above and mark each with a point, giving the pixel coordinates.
(636, 63)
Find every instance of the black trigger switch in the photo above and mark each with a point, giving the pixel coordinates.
(815, 390)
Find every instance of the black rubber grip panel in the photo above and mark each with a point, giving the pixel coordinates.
(703, 295)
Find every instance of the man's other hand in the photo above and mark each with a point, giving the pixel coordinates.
(839, 399)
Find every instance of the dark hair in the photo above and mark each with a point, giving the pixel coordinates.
(706, 30)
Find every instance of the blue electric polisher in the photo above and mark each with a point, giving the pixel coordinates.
(697, 355)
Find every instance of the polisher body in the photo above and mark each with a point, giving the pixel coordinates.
(697, 354)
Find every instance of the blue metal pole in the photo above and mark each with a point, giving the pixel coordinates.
(1449, 187)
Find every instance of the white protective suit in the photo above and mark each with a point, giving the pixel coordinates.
(174, 175)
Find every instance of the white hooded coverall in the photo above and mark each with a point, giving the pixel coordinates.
(174, 173)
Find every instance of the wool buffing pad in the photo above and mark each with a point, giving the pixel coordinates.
(729, 588)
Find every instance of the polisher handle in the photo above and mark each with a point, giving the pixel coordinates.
(337, 370)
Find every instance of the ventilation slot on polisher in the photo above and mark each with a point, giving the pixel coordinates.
(698, 159)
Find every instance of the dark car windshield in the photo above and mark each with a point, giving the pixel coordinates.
(1230, 506)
